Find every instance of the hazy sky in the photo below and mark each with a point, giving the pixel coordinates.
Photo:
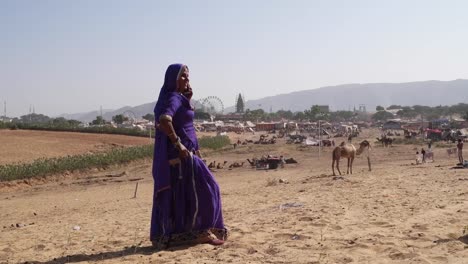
(74, 56)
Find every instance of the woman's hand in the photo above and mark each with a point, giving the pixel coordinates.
(183, 152)
(188, 93)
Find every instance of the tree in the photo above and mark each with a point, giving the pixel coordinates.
(59, 121)
(315, 113)
(74, 123)
(240, 104)
(379, 108)
(149, 117)
(407, 112)
(35, 119)
(382, 116)
(62, 122)
(432, 115)
(199, 114)
(342, 116)
(299, 116)
(254, 115)
(119, 119)
(465, 116)
(285, 114)
(98, 121)
(392, 107)
(421, 109)
(460, 109)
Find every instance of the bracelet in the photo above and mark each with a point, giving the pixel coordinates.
(177, 143)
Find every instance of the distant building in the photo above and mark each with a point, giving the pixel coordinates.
(439, 123)
(362, 108)
(265, 126)
(324, 108)
(392, 124)
(232, 116)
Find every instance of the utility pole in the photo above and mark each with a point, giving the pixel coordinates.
(4, 110)
(102, 118)
(320, 138)
(150, 130)
(422, 126)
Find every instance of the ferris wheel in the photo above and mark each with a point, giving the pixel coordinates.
(212, 105)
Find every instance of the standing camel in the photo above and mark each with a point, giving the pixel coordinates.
(347, 151)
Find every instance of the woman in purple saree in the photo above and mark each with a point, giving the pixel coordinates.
(186, 202)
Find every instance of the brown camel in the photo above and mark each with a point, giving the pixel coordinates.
(347, 151)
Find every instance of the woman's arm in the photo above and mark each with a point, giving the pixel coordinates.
(165, 124)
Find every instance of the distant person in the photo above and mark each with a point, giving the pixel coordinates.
(282, 161)
(460, 151)
(186, 199)
(429, 144)
(418, 157)
(423, 154)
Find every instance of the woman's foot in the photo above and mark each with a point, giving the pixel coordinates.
(216, 242)
(159, 246)
(210, 240)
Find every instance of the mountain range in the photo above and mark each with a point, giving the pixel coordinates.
(340, 97)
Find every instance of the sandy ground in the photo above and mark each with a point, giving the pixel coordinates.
(397, 213)
(28, 145)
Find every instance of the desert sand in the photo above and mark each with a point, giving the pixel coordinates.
(396, 213)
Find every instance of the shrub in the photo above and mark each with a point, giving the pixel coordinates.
(65, 128)
(216, 142)
(43, 167)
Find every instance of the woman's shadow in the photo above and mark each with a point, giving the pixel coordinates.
(127, 251)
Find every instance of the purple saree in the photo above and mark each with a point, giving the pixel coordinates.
(186, 202)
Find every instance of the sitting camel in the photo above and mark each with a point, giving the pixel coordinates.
(347, 151)
(386, 141)
(236, 165)
(219, 166)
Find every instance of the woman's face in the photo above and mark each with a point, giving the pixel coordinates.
(183, 81)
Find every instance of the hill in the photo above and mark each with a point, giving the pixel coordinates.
(340, 97)
(348, 96)
(138, 111)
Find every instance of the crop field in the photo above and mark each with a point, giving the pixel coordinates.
(25, 145)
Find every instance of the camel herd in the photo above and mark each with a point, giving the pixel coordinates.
(344, 150)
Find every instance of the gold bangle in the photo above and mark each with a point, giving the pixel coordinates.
(177, 143)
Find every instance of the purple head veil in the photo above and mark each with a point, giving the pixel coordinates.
(169, 86)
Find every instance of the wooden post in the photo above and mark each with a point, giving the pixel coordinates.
(136, 189)
(368, 160)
